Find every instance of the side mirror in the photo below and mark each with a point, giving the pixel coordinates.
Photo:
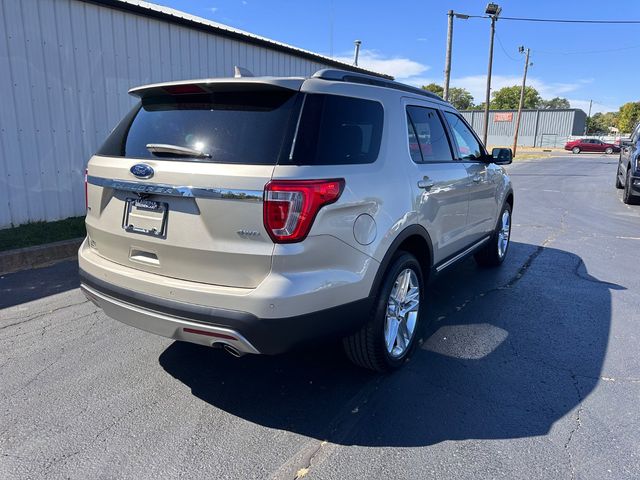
(502, 156)
(626, 143)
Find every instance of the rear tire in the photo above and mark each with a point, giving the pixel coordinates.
(575, 149)
(627, 196)
(374, 346)
(495, 251)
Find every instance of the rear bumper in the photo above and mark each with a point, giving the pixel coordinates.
(208, 326)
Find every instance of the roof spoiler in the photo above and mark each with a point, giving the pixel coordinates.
(210, 85)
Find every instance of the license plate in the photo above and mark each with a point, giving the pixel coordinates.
(146, 217)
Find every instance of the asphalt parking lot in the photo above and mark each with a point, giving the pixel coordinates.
(529, 371)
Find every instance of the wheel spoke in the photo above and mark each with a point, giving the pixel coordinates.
(402, 337)
(391, 332)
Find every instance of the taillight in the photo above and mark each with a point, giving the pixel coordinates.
(86, 192)
(290, 206)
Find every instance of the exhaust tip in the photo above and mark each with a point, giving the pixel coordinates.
(232, 350)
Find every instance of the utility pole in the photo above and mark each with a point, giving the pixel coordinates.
(494, 16)
(447, 60)
(586, 125)
(357, 43)
(520, 105)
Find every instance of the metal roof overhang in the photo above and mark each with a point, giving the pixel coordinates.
(181, 18)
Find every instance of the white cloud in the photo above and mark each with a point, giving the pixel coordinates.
(399, 67)
(595, 108)
(213, 9)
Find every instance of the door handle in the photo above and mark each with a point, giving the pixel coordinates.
(477, 179)
(425, 183)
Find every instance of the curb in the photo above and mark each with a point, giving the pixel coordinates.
(39, 255)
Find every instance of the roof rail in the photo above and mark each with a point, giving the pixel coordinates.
(354, 77)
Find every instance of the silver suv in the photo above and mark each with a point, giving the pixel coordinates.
(256, 213)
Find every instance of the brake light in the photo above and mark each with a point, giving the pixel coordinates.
(182, 89)
(86, 192)
(291, 206)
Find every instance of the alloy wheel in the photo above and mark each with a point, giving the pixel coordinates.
(403, 307)
(504, 233)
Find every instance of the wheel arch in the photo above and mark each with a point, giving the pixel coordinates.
(415, 240)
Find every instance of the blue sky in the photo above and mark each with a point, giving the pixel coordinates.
(406, 38)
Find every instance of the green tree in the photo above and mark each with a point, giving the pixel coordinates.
(434, 88)
(602, 122)
(508, 98)
(556, 102)
(460, 98)
(628, 117)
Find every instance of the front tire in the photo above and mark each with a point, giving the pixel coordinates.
(495, 251)
(608, 150)
(575, 149)
(391, 333)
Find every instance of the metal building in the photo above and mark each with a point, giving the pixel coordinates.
(538, 128)
(65, 68)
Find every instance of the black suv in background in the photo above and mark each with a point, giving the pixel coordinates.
(628, 173)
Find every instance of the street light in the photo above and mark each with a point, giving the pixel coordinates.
(493, 10)
(447, 60)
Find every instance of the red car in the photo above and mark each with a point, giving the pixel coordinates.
(591, 145)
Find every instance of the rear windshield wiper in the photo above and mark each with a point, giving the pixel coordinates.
(163, 148)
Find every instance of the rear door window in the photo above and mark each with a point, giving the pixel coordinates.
(337, 130)
(428, 142)
(247, 127)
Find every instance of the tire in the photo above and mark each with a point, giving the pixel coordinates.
(619, 184)
(608, 150)
(575, 149)
(368, 347)
(495, 251)
(627, 196)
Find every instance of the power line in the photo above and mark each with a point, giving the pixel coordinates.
(504, 50)
(587, 52)
(559, 20)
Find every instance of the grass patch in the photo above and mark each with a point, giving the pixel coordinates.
(38, 233)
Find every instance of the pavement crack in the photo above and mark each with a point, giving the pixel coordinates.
(578, 425)
(343, 423)
(42, 314)
(21, 333)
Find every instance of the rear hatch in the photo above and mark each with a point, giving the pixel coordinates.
(177, 187)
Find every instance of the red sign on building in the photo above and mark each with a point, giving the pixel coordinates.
(503, 117)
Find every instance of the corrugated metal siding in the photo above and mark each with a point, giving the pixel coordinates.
(65, 68)
(538, 128)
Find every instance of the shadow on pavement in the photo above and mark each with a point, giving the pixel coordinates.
(29, 285)
(502, 358)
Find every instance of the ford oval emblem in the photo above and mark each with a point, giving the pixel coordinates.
(142, 170)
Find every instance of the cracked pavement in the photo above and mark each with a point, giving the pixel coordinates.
(528, 371)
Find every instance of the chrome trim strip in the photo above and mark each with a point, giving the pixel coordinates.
(462, 254)
(176, 190)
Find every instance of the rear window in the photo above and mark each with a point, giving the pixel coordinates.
(336, 130)
(232, 127)
(253, 128)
